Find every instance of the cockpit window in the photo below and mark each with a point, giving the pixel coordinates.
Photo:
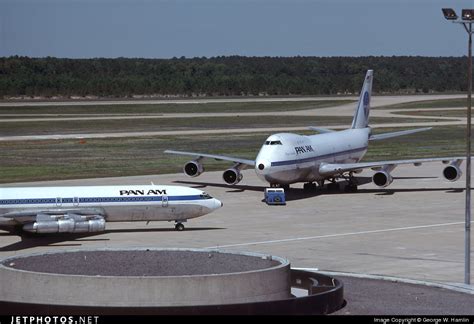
(205, 195)
(273, 143)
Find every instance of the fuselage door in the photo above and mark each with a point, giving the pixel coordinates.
(164, 201)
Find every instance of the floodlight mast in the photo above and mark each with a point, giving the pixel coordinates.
(466, 21)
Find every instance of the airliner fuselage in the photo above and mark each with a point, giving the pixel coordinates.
(289, 158)
(87, 208)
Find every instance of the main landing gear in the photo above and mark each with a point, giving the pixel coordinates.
(351, 185)
(310, 186)
(333, 185)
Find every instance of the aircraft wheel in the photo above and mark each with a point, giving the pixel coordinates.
(351, 188)
(333, 186)
(179, 227)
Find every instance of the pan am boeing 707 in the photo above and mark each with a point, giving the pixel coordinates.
(287, 158)
(85, 209)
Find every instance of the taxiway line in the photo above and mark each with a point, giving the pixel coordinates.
(335, 235)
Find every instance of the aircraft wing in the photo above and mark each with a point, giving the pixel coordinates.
(216, 157)
(29, 216)
(338, 168)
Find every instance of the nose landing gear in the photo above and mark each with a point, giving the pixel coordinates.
(179, 226)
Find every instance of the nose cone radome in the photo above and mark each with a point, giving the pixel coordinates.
(216, 204)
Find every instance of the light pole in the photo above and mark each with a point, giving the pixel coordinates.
(466, 21)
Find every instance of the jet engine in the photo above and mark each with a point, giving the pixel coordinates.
(452, 172)
(74, 224)
(193, 168)
(382, 178)
(232, 176)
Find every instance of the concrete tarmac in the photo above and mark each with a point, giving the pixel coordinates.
(412, 229)
(380, 297)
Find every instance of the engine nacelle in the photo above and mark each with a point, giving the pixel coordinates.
(232, 176)
(382, 178)
(452, 172)
(66, 225)
(193, 168)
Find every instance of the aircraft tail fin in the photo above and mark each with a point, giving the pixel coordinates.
(361, 116)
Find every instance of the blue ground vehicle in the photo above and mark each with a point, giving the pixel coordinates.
(275, 196)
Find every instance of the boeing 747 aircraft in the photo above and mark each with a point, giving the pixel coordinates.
(330, 155)
(87, 209)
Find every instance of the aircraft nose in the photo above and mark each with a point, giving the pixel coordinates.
(218, 204)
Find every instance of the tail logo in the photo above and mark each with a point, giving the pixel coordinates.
(366, 104)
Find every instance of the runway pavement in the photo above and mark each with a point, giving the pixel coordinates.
(341, 110)
(164, 101)
(255, 130)
(87, 102)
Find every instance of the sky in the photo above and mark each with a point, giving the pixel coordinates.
(196, 28)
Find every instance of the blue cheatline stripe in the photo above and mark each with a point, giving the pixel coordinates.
(316, 158)
(89, 200)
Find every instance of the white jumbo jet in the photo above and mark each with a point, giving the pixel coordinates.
(287, 158)
(84, 209)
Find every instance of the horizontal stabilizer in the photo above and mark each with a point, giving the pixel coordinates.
(383, 136)
(321, 129)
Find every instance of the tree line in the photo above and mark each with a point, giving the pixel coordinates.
(227, 76)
